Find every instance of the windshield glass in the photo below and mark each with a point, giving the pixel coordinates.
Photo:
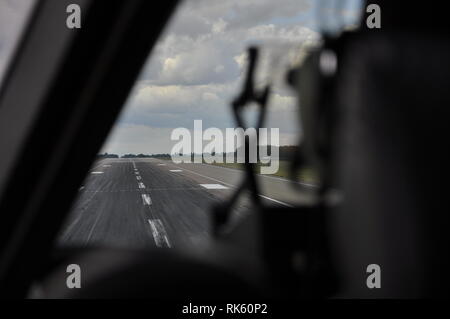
(13, 17)
(168, 161)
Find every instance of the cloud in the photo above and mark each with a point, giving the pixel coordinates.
(178, 106)
(146, 125)
(198, 64)
(197, 68)
(241, 14)
(207, 54)
(179, 60)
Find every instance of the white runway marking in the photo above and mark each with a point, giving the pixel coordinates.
(106, 165)
(268, 176)
(96, 173)
(213, 186)
(159, 233)
(97, 167)
(176, 170)
(141, 185)
(146, 199)
(138, 178)
(81, 188)
(137, 173)
(216, 180)
(275, 201)
(161, 164)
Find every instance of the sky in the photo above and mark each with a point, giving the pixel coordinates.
(198, 64)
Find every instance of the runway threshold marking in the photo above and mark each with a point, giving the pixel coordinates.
(213, 186)
(159, 233)
(141, 185)
(146, 199)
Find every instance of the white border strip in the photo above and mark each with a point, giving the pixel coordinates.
(216, 180)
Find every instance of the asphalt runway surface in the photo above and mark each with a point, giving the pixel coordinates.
(136, 203)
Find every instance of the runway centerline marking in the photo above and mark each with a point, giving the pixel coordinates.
(138, 178)
(159, 233)
(213, 186)
(141, 185)
(137, 173)
(176, 170)
(146, 199)
(96, 173)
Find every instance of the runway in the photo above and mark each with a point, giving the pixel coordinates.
(136, 203)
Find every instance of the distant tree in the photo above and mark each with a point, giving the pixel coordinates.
(106, 155)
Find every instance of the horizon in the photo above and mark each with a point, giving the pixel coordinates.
(184, 154)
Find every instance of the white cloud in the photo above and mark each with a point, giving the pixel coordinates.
(211, 57)
(178, 106)
(219, 26)
(197, 67)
